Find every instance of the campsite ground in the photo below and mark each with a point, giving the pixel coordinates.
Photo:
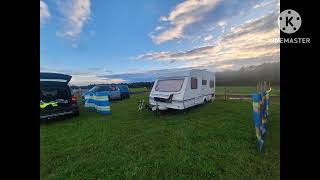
(212, 141)
(233, 90)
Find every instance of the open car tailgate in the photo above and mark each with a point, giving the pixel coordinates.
(55, 79)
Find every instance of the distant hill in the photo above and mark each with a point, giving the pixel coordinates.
(246, 76)
(250, 75)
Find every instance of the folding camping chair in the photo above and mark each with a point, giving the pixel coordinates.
(140, 105)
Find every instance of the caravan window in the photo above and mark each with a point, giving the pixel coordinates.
(212, 83)
(204, 82)
(194, 83)
(169, 85)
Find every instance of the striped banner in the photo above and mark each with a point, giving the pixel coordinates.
(98, 101)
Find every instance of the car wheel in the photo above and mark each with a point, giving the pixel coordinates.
(76, 114)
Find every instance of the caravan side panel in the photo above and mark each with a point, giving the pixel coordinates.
(203, 92)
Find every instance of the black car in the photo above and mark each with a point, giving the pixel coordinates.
(56, 97)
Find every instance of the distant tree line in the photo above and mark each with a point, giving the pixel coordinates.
(248, 76)
(245, 76)
(140, 84)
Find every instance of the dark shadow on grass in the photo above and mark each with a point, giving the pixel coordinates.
(57, 119)
(177, 112)
(118, 100)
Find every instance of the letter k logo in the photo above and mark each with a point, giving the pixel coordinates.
(289, 21)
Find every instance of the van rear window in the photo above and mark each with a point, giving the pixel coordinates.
(53, 94)
(169, 85)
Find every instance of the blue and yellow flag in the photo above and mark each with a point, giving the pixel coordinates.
(260, 103)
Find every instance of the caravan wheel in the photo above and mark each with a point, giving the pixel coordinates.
(205, 101)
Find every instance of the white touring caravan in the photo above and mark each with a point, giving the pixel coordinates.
(182, 89)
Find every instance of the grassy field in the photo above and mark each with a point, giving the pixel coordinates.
(246, 90)
(212, 141)
(243, 90)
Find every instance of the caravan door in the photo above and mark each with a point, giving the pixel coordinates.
(204, 88)
(196, 90)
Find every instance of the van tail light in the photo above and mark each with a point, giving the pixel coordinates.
(74, 99)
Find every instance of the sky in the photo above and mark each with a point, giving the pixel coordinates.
(98, 41)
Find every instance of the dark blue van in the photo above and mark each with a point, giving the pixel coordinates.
(113, 91)
(124, 91)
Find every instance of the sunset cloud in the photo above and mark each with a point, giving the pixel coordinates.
(250, 41)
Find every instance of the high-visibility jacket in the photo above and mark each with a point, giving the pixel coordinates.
(44, 105)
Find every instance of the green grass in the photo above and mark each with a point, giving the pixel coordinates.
(138, 90)
(243, 90)
(213, 141)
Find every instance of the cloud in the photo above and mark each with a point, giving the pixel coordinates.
(163, 18)
(44, 12)
(183, 15)
(158, 28)
(207, 38)
(77, 14)
(92, 75)
(92, 79)
(144, 76)
(265, 3)
(189, 18)
(252, 41)
(222, 24)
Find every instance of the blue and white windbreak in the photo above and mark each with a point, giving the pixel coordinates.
(98, 101)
